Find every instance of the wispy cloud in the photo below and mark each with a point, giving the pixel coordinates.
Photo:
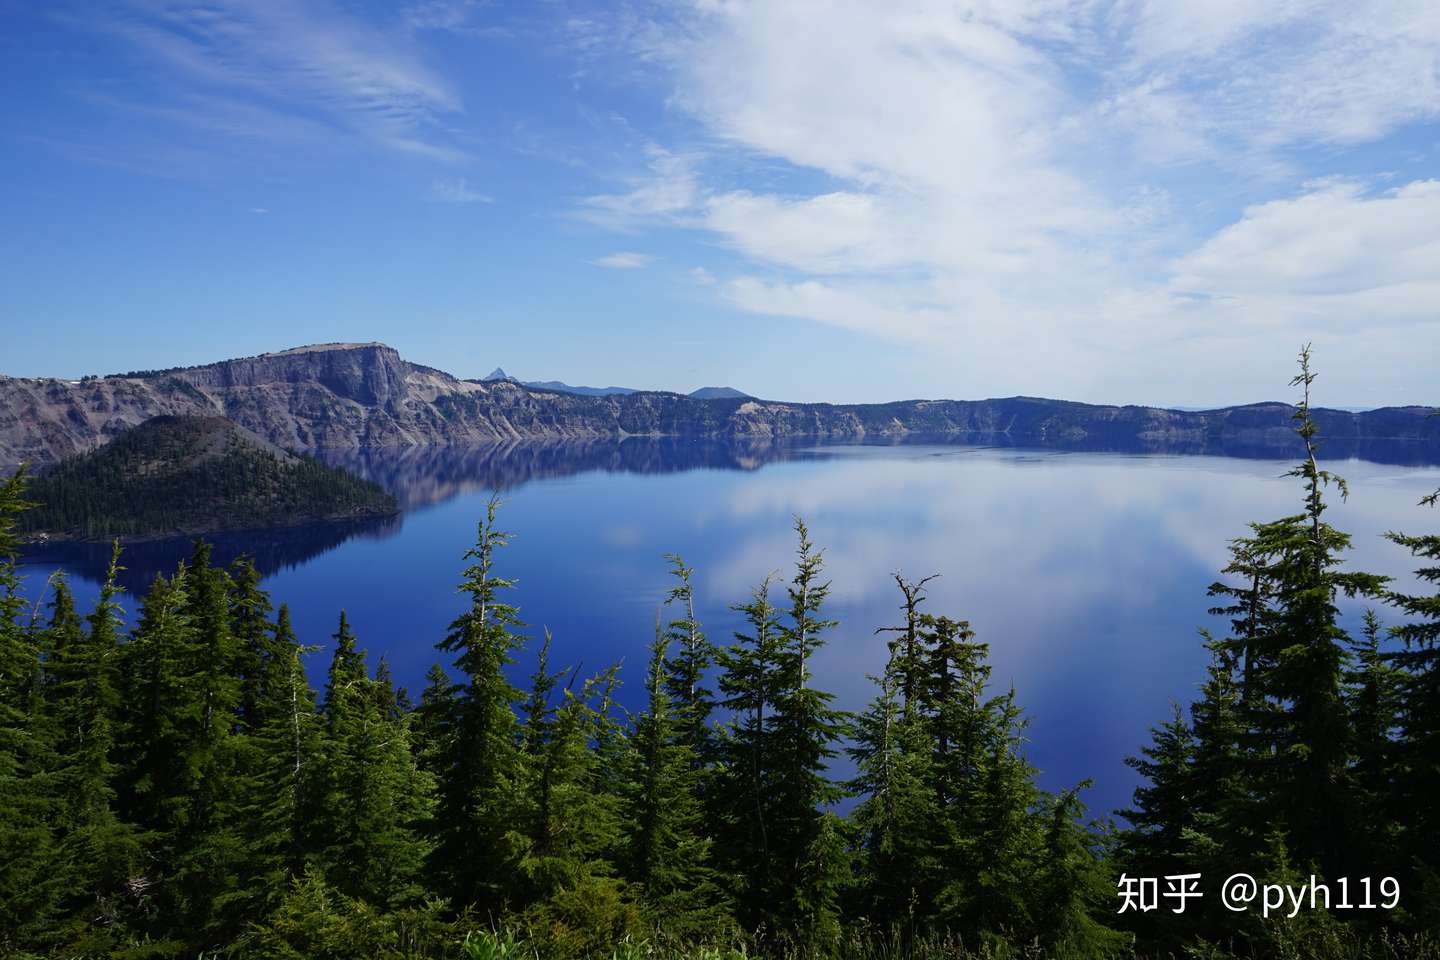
(669, 188)
(457, 190)
(225, 114)
(1293, 70)
(441, 14)
(296, 61)
(1030, 185)
(624, 260)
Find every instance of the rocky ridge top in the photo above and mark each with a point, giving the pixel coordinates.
(357, 395)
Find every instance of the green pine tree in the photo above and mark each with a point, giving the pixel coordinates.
(282, 796)
(667, 855)
(571, 835)
(808, 859)
(158, 738)
(377, 799)
(347, 669)
(1074, 891)
(743, 809)
(895, 821)
(98, 853)
(1372, 692)
(1305, 732)
(1227, 825)
(211, 859)
(1417, 748)
(480, 775)
(1163, 806)
(260, 661)
(435, 722)
(30, 887)
(539, 708)
(1196, 812)
(686, 670)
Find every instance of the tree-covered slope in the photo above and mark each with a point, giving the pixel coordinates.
(190, 474)
(171, 785)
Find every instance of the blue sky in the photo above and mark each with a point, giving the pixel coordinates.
(1126, 201)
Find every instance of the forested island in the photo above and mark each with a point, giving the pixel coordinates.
(179, 789)
(183, 475)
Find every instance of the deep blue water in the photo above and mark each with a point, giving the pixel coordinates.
(1085, 572)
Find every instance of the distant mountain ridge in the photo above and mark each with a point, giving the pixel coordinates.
(366, 395)
(559, 386)
(499, 374)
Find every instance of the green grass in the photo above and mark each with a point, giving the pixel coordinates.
(1336, 944)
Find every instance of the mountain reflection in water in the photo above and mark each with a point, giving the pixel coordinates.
(272, 550)
(421, 476)
(1086, 572)
(425, 476)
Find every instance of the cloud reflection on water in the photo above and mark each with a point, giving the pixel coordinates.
(1085, 572)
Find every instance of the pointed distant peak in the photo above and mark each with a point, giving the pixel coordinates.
(498, 374)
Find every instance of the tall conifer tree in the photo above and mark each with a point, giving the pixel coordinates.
(1373, 688)
(893, 754)
(162, 713)
(211, 853)
(284, 796)
(261, 661)
(99, 852)
(347, 669)
(1417, 760)
(377, 798)
(667, 854)
(29, 886)
(572, 836)
(804, 840)
(1308, 737)
(435, 720)
(481, 773)
(686, 670)
(745, 798)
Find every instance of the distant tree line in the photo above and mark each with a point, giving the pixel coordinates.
(180, 788)
(137, 374)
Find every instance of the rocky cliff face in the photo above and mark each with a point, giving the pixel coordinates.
(366, 395)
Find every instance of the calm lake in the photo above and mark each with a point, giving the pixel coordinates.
(1085, 572)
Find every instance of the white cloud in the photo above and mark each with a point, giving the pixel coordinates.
(1295, 70)
(457, 190)
(669, 189)
(1327, 258)
(997, 182)
(856, 307)
(702, 277)
(1331, 240)
(623, 260)
(948, 130)
(832, 232)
